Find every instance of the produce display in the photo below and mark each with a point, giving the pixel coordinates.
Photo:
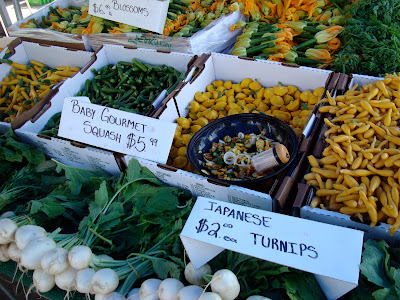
(26, 85)
(358, 173)
(286, 103)
(184, 18)
(231, 157)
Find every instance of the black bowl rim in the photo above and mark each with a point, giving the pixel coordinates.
(246, 116)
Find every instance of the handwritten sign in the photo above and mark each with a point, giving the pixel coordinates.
(116, 130)
(149, 14)
(332, 253)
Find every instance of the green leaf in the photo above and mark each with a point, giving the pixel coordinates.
(165, 269)
(162, 199)
(52, 208)
(100, 201)
(36, 206)
(77, 177)
(299, 289)
(373, 263)
(385, 294)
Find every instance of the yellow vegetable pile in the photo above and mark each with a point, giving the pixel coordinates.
(359, 172)
(226, 98)
(26, 85)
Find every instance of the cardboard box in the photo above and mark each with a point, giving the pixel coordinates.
(109, 54)
(23, 52)
(213, 38)
(200, 186)
(305, 193)
(4, 42)
(50, 37)
(227, 67)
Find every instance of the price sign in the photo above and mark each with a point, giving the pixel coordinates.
(149, 14)
(302, 244)
(116, 130)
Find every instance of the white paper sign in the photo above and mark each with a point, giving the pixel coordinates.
(116, 130)
(149, 14)
(332, 253)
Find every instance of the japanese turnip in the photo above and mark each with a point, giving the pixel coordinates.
(42, 281)
(104, 281)
(224, 282)
(149, 289)
(169, 288)
(7, 230)
(32, 254)
(257, 297)
(79, 257)
(133, 294)
(195, 276)
(27, 233)
(8, 214)
(191, 292)
(4, 256)
(55, 261)
(210, 296)
(114, 296)
(14, 252)
(67, 279)
(83, 280)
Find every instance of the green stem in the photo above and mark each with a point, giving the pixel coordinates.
(100, 236)
(305, 44)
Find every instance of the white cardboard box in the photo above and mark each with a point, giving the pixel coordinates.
(227, 67)
(380, 232)
(109, 54)
(52, 56)
(52, 37)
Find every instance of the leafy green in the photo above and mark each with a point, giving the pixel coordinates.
(370, 39)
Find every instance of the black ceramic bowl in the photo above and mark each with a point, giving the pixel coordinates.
(274, 128)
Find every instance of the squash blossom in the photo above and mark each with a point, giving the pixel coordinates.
(245, 43)
(77, 30)
(237, 25)
(318, 54)
(240, 51)
(326, 35)
(297, 26)
(331, 45)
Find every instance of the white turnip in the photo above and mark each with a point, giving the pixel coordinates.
(7, 230)
(83, 280)
(14, 252)
(67, 280)
(191, 292)
(32, 254)
(4, 256)
(149, 289)
(195, 276)
(8, 214)
(55, 261)
(169, 288)
(42, 281)
(257, 297)
(133, 294)
(104, 281)
(27, 233)
(224, 282)
(210, 296)
(79, 257)
(114, 296)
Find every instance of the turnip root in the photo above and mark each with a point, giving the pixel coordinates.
(257, 297)
(83, 280)
(210, 296)
(104, 281)
(149, 289)
(8, 214)
(191, 292)
(4, 256)
(79, 257)
(25, 234)
(67, 279)
(7, 230)
(194, 276)
(14, 252)
(133, 294)
(42, 281)
(55, 261)
(32, 254)
(224, 282)
(169, 288)
(114, 296)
